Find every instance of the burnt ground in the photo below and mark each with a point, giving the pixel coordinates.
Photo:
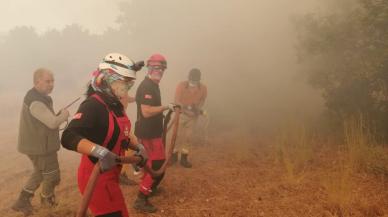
(235, 174)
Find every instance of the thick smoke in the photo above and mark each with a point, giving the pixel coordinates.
(245, 51)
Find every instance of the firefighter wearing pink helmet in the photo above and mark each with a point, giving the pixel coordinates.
(149, 128)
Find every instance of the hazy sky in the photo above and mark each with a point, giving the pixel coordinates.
(96, 15)
(246, 49)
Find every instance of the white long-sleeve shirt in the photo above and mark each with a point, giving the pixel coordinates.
(41, 112)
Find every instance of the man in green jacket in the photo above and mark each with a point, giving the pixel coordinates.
(39, 140)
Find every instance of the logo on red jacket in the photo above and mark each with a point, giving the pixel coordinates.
(77, 116)
(148, 96)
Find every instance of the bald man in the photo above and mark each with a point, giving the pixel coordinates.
(39, 141)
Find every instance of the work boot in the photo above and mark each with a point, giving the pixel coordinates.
(174, 158)
(143, 205)
(23, 204)
(156, 191)
(184, 162)
(48, 202)
(124, 180)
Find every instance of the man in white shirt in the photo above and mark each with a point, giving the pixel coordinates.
(39, 140)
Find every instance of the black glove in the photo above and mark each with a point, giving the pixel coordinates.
(108, 159)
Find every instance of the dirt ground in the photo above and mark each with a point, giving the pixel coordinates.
(235, 174)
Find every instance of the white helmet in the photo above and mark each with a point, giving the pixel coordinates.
(119, 63)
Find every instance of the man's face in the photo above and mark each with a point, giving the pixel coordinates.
(156, 72)
(45, 84)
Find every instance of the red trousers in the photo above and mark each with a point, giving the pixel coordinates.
(156, 157)
(107, 196)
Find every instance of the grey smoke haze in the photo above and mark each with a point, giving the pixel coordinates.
(97, 16)
(245, 50)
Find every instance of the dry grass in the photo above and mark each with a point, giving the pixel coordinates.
(236, 174)
(358, 154)
(361, 148)
(294, 151)
(339, 188)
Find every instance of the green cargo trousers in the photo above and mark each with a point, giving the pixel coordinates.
(46, 173)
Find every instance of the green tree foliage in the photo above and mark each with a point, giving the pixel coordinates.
(346, 56)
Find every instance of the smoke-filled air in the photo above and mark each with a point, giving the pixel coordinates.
(194, 108)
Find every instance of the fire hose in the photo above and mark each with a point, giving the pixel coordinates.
(88, 192)
(66, 107)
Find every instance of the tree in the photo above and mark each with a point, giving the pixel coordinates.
(346, 56)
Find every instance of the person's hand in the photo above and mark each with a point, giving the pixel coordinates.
(142, 153)
(125, 144)
(191, 111)
(65, 113)
(173, 106)
(108, 159)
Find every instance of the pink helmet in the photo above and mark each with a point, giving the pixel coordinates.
(157, 60)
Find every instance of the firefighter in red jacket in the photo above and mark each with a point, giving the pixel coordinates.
(100, 130)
